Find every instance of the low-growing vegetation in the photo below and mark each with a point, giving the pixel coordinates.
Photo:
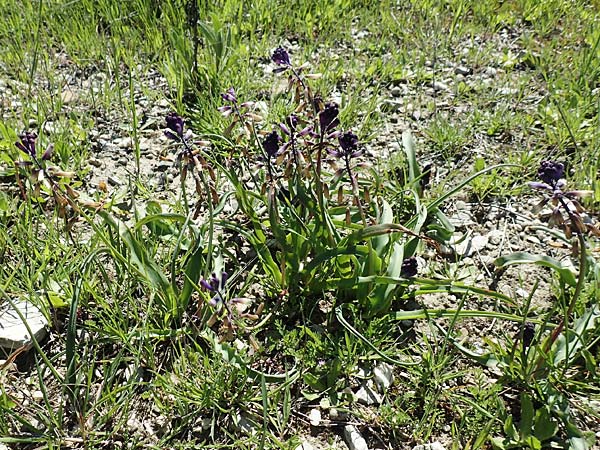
(287, 224)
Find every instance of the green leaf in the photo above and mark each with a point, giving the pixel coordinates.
(542, 260)
(572, 340)
(193, 269)
(6, 402)
(579, 443)
(141, 261)
(381, 298)
(509, 429)
(386, 216)
(545, 428)
(527, 414)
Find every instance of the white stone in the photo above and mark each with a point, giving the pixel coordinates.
(13, 332)
(354, 439)
(37, 396)
(245, 425)
(367, 396)
(383, 375)
(314, 416)
(305, 446)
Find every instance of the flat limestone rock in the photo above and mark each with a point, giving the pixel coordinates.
(13, 332)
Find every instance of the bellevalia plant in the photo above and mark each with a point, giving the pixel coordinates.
(311, 239)
(544, 366)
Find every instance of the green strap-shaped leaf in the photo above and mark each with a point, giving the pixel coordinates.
(541, 260)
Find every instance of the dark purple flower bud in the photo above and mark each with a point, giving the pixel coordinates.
(409, 267)
(229, 96)
(27, 143)
(175, 124)
(328, 118)
(307, 131)
(550, 172)
(281, 57)
(349, 142)
(271, 144)
(528, 334)
(205, 284)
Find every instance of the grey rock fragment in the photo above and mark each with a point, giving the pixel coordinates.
(463, 70)
(383, 376)
(396, 91)
(367, 395)
(13, 332)
(354, 439)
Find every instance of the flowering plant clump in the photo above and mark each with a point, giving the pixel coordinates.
(567, 213)
(48, 179)
(191, 159)
(235, 308)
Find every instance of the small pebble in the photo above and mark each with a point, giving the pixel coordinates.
(95, 162)
(354, 439)
(37, 396)
(462, 70)
(113, 181)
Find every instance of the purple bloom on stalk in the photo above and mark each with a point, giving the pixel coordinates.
(349, 142)
(409, 267)
(271, 144)
(349, 146)
(215, 285)
(175, 124)
(550, 172)
(281, 57)
(27, 143)
(229, 96)
(563, 201)
(328, 118)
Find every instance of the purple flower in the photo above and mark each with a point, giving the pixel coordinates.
(328, 118)
(349, 142)
(281, 57)
(271, 144)
(214, 284)
(229, 96)
(349, 146)
(175, 124)
(550, 172)
(409, 267)
(27, 143)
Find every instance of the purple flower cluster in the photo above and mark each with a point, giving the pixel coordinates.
(215, 285)
(564, 202)
(27, 145)
(271, 144)
(175, 125)
(410, 267)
